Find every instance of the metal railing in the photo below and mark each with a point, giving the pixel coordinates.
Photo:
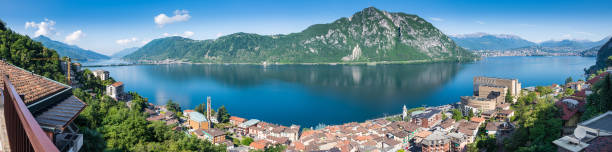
(24, 132)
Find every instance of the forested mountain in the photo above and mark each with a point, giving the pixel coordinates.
(367, 36)
(71, 51)
(577, 45)
(19, 50)
(592, 52)
(124, 52)
(603, 56)
(484, 41)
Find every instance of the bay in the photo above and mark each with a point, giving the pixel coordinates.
(308, 95)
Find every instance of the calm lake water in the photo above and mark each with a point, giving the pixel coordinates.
(311, 94)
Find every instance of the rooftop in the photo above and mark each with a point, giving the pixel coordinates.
(602, 122)
(249, 123)
(32, 86)
(427, 114)
(196, 116)
(117, 84)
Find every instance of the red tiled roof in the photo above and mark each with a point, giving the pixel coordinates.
(32, 86)
(477, 119)
(259, 145)
(596, 78)
(117, 84)
(567, 111)
(238, 119)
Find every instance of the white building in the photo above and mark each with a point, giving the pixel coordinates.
(115, 90)
(103, 75)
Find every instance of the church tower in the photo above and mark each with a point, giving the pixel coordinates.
(208, 112)
(404, 112)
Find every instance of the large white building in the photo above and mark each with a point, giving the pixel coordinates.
(115, 90)
(103, 75)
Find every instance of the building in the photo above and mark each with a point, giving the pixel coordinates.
(511, 84)
(38, 112)
(493, 92)
(427, 119)
(480, 103)
(243, 128)
(596, 135)
(236, 120)
(435, 142)
(578, 85)
(198, 121)
(458, 142)
(115, 90)
(571, 109)
(103, 75)
(213, 135)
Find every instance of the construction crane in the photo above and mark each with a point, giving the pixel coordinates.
(68, 64)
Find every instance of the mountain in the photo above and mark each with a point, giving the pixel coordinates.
(370, 35)
(71, 51)
(602, 57)
(124, 52)
(576, 45)
(484, 41)
(592, 52)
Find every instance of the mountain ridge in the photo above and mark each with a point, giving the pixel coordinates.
(71, 51)
(370, 35)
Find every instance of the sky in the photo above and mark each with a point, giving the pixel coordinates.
(107, 26)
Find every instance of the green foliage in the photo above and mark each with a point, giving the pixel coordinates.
(568, 80)
(538, 124)
(222, 115)
(601, 99)
(543, 90)
(603, 58)
(124, 129)
(509, 98)
(320, 43)
(246, 141)
(471, 114)
(443, 115)
(173, 106)
(457, 115)
(20, 51)
(569, 92)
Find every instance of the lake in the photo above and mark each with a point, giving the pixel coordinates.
(333, 94)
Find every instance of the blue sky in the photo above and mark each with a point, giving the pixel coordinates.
(107, 26)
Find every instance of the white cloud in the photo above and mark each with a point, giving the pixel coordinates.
(126, 41)
(185, 34)
(179, 16)
(480, 22)
(566, 36)
(43, 28)
(219, 34)
(436, 19)
(75, 36)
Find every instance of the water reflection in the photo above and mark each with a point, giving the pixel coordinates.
(380, 82)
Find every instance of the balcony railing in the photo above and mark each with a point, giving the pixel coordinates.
(24, 132)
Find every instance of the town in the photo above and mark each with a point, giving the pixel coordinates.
(488, 115)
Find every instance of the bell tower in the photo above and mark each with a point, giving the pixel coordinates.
(208, 111)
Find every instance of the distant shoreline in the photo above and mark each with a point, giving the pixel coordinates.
(163, 62)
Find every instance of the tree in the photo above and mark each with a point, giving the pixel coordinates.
(200, 108)
(246, 141)
(471, 114)
(457, 114)
(173, 106)
(568, 80)
(509, 98)
(443, 115)
(222, 115)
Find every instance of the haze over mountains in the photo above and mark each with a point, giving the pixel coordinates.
(71, 51)
(499, 42)
(370, 35)
(124, 52)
